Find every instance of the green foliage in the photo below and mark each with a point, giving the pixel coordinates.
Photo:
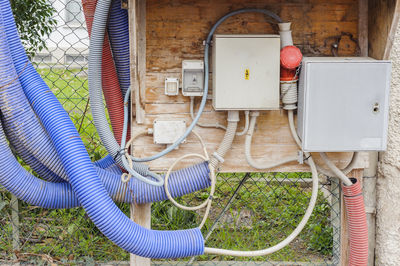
(35, 21)
(320, 232)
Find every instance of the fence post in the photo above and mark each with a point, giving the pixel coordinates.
(15, 224)
(141, 214)
(335, 220)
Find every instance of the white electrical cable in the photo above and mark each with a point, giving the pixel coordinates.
(338, 173)
(346, 170)
(216, 125)
(208, 201)
(125, 177)
(299, 227)
(249, 158)
(293, 128)
(135, 135)
(246, 125)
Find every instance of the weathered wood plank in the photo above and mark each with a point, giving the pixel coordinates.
(383, 19)
(363, 27)
(137, 29)
(176, 29)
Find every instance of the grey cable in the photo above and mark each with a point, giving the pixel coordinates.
(96, 97)
(95, 84)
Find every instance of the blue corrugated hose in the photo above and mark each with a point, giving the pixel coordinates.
(83, 176)
(25, 129)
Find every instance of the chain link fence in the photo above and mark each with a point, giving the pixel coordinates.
(250, 211)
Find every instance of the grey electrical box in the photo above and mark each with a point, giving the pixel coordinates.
(343, 104)
(246, 72)
(192, 77)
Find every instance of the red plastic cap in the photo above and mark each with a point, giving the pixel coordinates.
(291, 57)
(288, 74)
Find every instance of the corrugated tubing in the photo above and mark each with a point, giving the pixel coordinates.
(83, 176)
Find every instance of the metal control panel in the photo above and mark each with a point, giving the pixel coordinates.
(246, 72)
(343, 104)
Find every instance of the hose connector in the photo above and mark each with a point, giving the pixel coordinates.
(233, 116)
(291, 57)
(254, 114)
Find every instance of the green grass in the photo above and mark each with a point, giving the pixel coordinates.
(71, 88)
(262, 214)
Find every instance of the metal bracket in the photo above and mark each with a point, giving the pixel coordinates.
(300, 158)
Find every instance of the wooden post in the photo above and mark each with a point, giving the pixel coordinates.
(15, 223)
(335, 219)
(363, 27)
(383, 19)
(137, 33)
(141, 214)
(369, 191)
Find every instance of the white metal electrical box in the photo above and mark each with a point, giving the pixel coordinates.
(246, 72)
(343, 104)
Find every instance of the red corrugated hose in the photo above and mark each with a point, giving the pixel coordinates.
(111, 88)
(357, 223)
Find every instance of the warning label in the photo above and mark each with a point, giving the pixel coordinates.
(247, 74)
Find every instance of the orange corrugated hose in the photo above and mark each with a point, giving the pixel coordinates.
(111, 88)
(357, 223)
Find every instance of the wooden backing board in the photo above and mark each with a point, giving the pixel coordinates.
(175, 31)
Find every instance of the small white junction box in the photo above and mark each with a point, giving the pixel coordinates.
(168, 131)
(246, 72)
(343, 104)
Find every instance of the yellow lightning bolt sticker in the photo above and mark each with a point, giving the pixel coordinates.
(247, 74)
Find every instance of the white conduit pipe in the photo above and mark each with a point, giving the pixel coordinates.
(299, 227)
(249, 158)
(350, 166)
(226, 144)
(246, 125)
(285, 33)
(338, 173)
(216, 125)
